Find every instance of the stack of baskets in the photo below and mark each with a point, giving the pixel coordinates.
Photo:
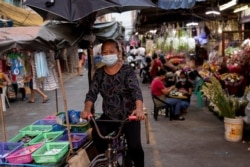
(43, 142)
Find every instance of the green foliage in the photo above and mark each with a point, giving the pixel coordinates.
(226, 105)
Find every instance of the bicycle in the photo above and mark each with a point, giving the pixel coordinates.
(116, 152)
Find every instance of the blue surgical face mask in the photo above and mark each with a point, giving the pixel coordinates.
(110, 60)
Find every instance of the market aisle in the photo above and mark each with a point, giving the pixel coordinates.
(196, 142)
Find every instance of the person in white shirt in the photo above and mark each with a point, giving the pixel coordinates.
(141, 50)
(140, 56)
(133, 51)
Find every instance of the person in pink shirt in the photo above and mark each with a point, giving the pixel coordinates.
(156, 65)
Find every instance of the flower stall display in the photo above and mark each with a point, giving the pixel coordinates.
(232, 79)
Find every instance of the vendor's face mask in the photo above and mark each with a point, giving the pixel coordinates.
(110, 59)
(183, 80)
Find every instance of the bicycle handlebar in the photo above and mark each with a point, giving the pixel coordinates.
(130, 118)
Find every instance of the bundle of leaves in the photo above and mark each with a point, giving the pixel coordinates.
(224, 104)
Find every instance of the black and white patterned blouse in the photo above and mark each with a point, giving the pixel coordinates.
(119, 91)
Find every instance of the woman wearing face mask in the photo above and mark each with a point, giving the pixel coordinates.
(122, 96)
(185, 87)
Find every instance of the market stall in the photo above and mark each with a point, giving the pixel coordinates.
(42, 39)
(48, 38)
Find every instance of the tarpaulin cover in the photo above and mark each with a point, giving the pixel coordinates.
(176, 4)
(108, 30)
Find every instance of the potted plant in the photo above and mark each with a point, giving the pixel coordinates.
(226, 106)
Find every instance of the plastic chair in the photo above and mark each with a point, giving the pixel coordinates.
(160, 106)
(198, 93)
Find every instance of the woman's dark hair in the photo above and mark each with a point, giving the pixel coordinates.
(192, 75)
(161, 72)
(154, 56)
(184, 73)
(112, 41)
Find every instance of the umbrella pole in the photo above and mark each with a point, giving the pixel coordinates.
(2, 119)
(64, 102)
(91, 67)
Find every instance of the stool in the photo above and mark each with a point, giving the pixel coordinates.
(198, 92)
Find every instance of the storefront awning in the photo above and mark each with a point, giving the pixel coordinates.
(55, 35)
(51, 35)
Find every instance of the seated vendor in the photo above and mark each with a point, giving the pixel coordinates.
(185, 87)
(158, 89)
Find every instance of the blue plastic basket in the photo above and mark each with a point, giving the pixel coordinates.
(78, 139)
(6, 148)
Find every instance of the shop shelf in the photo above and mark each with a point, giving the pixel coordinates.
(23, 155)
(46, 137)
(78, 139)
(51, 152)
(6, 148)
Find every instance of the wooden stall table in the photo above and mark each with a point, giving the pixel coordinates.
(177, 95)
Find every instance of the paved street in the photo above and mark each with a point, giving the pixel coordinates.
(196, 142)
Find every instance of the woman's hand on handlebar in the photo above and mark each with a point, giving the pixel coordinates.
(139, 114)
(86, 115)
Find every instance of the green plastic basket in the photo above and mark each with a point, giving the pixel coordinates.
(24, 137)
(51, 152)
(36, 128)
(81, 128)
(46, 137)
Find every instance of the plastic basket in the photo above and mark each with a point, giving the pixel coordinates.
(51, 152)
(36, 128)
(6, 148)
(78, 139)
(23, 155)
(81, 128)
(24, 137)
(50, 117)
(46, 137)
(58, 127)
(44, 122)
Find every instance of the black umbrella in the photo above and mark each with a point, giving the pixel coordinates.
(127, 5)
(70, 10)
(74, 10)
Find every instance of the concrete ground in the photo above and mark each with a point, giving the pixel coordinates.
(196, 142)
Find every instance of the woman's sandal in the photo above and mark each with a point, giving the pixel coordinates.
(45, 100)
(31, 101)
(179, 118)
